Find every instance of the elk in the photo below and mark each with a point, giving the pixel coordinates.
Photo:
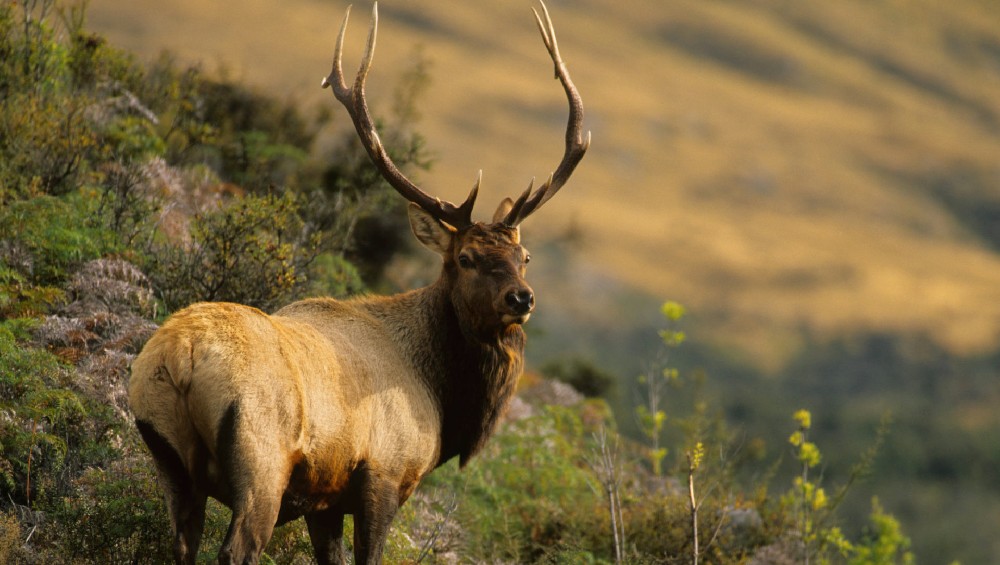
(334, 407)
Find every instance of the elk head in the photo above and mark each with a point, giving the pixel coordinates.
(484, 263)
(484, 267)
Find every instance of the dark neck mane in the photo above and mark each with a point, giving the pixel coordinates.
(472, 377)
(475, 394)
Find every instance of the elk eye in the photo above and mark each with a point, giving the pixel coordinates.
(465, 261)
(527, 258)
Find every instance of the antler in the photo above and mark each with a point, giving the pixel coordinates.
(354, 100)
(576, 146)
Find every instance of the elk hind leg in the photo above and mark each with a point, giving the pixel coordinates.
(185, 501)
(250, 529)
(256, 482)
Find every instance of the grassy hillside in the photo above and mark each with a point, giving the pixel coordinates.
(818, 182)
(771, 163)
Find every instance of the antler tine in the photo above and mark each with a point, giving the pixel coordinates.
(353, 99)
(576, 145)
(515, 209)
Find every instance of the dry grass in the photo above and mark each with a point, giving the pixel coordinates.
(752, 159)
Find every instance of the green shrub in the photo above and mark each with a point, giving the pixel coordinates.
(50, 237)
(332, 275)
(44, 143)
(527, 495)
(254, 251)
(248, 138)
(43, 420)
(114, 515)
(586, 377)
(33, 58)
(19, 298)
(56, 115)
(132, 138)
(653, 383)
(883, 542)
(42, 241)
(124, 203)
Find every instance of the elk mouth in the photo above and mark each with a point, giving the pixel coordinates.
(519, 319)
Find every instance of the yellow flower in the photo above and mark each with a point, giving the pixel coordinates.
(804, 418)
(819, 499)
(809, 454)
(672, 310)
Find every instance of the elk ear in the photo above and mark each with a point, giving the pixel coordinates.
(431, 232)
(501, 214)
(503, 209)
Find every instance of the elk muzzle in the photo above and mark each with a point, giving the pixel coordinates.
(518, 304)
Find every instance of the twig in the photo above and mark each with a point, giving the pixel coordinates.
(439, 527)
(604, 463)
(31, 448)
(694, 461)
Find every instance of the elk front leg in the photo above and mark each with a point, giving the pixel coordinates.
(326, 531)
(379, 502)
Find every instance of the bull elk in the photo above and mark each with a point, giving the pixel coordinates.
(330, 407)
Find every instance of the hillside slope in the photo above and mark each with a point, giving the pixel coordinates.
(769, 163)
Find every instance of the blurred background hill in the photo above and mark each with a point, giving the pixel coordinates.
(818, 182)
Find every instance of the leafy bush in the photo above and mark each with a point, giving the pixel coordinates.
(248, 138)
(19, 298)
(118, 516)
(254, 251)
(57, 116)
(42, 420)
(46, 238)
(44, 143)
(582, 374)
(883, 543)
(10, 538)
(527, 494)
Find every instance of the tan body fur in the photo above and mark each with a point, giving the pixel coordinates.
(336, 388)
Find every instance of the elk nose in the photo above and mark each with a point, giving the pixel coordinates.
(520, 301)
